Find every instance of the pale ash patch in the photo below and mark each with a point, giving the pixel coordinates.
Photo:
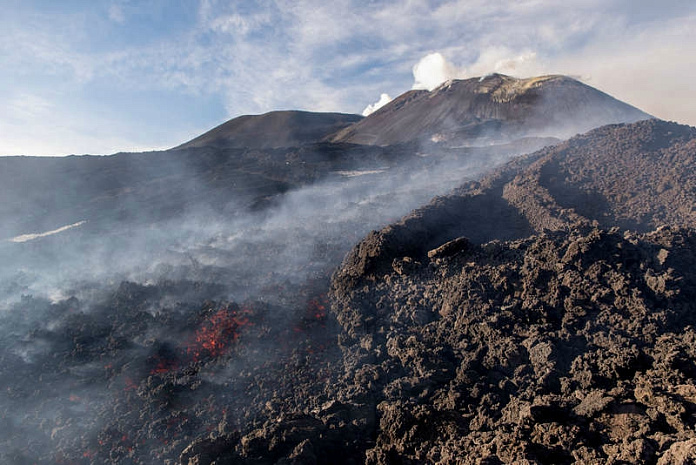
(31, 237)
(352, 174)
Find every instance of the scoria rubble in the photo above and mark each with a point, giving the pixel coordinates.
(544, 314)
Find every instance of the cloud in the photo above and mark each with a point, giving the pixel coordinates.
(27, 107)
(648, 66)
(231, 24)
(237, 24)
(116, 13)
(253, 57)
(383, 100)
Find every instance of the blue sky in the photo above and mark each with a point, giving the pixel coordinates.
(102, 76)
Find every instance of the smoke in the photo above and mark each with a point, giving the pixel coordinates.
(127, 337)
(373, 107)
(432, 70)
(504, 61)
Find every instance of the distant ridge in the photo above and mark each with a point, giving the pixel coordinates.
(492, 108)
(273, 130)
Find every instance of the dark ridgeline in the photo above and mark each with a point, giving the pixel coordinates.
(273, 130)
(541, 312)
(248, 161)
(491, 109)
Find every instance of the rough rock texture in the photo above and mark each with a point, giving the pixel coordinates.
(135, 376)
(557, 348)
(638, 176)
(542, 315)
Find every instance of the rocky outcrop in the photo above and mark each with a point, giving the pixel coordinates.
(557, 348)
(637, 176)
(561, 334)
(544, 314)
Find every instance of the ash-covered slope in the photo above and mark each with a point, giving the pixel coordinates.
(517, 321)
(126, 189)
(493, 108)
(638, 176)
(273, 130)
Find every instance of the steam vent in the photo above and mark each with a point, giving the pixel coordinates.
(497, 271)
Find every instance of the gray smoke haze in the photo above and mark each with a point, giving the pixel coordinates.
(98, 320)
(284, 238)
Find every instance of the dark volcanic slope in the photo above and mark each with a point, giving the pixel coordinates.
(639, 176)
(41, 194)
(548, 334)
(493, 107)
(274, 129)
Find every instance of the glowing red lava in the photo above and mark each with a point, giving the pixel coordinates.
(216, 333)
(316, 307)
(164, 366)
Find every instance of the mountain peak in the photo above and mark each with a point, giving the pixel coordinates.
(272, 130)
(469, 111)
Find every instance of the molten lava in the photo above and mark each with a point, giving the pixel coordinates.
(316, 307)
(164, 366)
(214, 336)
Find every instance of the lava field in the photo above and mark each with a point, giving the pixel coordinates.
(406, 304)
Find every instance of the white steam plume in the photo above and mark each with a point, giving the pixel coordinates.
(31, 237)
(383, 100)
(432, 70)
(504, 61)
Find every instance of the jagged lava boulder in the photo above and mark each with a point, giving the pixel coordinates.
(542, 315)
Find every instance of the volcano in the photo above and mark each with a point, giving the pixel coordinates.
(491, 109)
(444, 281)
(273, 130)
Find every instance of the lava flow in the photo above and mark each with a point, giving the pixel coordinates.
(316, 307)
(216, 333)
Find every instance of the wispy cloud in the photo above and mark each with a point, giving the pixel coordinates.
(116, 13)
(26, 108)
(262, 55)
